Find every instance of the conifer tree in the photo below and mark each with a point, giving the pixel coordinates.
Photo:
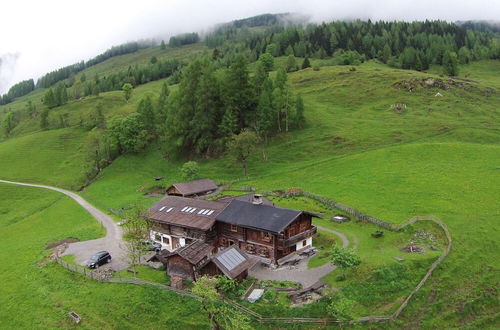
(450, 63)
(306, 63)
(299, 118)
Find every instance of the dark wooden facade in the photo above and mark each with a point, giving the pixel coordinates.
(266, 244)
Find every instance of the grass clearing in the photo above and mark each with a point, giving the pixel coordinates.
(42, 297)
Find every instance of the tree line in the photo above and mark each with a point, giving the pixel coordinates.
(413, 45)
(53, 77)
(21, 88)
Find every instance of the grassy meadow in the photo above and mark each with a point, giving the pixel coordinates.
(41, 296)
(440, 155)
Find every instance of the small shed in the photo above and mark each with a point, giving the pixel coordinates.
(233, 263)
(185, 261)
(197, 259)
(192, 188)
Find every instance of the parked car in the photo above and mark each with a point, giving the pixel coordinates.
(98, 259)
(151, 245)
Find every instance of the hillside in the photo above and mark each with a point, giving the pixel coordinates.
(376, 138)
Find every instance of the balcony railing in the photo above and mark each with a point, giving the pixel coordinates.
(287, 242)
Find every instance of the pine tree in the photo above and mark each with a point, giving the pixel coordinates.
(49, 99)
(290, 64)
(299, 119)
(162, 45)
(238, 93)
(450, 63)
(147, 114)
(44, 115)
(264, 120)
(306, 63)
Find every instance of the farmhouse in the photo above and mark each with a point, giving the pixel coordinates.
(266, 231)
(192, 188)
(256, 227)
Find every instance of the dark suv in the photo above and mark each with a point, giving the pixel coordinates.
(151, 245)
(98, 259)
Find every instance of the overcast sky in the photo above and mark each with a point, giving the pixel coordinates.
(39, 36)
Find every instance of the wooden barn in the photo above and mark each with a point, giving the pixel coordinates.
(192, 188)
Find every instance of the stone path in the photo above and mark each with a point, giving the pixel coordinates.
(112, 242)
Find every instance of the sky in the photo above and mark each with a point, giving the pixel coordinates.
(40, 36)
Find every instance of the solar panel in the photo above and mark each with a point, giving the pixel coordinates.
(162, 208)
(206, 211)
(231, 258)
(184, 209)
(170, 209)
(192, 210)
(201, 211)
(211, 211)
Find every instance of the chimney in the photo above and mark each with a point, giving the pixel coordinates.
(257, 199)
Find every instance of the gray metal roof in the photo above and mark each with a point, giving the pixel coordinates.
(263, 217)
(231, 258)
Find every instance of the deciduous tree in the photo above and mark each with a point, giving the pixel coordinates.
(241, 147)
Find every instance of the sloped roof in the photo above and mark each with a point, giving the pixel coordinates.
(245, 198)
(194, 253)
(194, 187)
(232, 261)
(170, 210)
(263, 217)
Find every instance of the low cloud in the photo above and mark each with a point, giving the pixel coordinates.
(57, 33)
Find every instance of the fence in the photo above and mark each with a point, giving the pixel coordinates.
(324, 321)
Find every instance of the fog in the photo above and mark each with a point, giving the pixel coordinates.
(40, 36)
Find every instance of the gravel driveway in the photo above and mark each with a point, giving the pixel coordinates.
(112, 242)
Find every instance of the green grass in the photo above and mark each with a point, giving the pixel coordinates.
(147, 273)
(440, 157)
(51, 157)
(41, 297)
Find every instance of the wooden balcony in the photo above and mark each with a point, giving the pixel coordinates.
(287, 242)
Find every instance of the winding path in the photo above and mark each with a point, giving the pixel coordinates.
(345, 241)
(112, 242)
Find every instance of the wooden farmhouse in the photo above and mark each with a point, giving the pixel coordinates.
(192, 188)
(193, 231)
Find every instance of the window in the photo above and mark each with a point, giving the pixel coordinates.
(230, 242)
(266, 236)
(263, 252)
(234, 228)
(250, 248)
(304, 243)
(157, 237)
(166, 240)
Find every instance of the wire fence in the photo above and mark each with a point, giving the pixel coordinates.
(258, 317)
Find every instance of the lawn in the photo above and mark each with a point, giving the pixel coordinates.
(34, 296)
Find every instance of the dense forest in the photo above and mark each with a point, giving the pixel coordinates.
(406, 45)
(207, 111)
(19, 89)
